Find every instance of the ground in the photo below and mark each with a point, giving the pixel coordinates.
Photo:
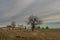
(42, 34)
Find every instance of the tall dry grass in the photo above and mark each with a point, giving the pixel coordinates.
(42, 34)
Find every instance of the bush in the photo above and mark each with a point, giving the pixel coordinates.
(47, 27)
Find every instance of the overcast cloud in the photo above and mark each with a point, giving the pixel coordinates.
(19, 10)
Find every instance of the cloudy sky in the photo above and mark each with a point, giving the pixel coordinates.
(19, 10)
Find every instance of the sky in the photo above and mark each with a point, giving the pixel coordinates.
(19, 10)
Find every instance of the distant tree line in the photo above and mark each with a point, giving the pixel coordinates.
(43, 27)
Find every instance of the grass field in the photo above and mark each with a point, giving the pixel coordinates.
(42, 34)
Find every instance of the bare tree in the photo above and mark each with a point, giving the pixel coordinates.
(47, 27)
(9, 26)
(13, 24)
(25, 27)
(33, 20)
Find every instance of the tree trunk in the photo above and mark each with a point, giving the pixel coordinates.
(33, 26)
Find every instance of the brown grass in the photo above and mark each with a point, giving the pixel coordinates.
(45, 34)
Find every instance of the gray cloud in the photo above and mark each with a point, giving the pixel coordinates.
(19, 10)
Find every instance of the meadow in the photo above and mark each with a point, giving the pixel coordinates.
(41, 34)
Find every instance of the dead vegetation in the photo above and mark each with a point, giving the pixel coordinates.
(43, 34)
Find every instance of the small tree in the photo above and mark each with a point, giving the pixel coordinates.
(38, 27)
(25, 27)
(47, 27)
(9, 26)
(13, 25)
(33, 20)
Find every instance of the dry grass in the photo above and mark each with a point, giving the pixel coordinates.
(49, 34)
